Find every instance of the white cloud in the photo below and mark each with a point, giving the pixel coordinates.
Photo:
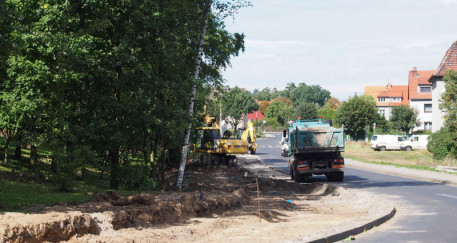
(447, 2)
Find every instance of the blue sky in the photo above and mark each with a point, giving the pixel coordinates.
(341, 45)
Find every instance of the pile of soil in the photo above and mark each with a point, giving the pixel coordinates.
(217, 204)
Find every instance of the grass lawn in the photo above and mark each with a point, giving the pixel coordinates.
(23, 185)
(419, 159)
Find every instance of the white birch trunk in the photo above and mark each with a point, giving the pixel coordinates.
(193, 92)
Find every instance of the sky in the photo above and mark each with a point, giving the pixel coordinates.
(341, 45)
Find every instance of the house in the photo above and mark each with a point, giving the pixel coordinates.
(387, 97)
(420, 97)
(449, 62)
(255, 116)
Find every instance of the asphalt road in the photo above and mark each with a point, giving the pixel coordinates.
(426, 212)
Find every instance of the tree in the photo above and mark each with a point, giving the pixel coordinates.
(235, 103)
(279, 113)
(313, 94)
(404, 118)
(356, 114)
(306, 111)
(448, 106)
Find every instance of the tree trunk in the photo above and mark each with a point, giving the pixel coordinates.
(114, 162)
(33, 155)
(18, 152)
(193, 92)
(7, 134)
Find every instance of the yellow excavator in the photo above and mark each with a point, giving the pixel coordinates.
(217, 149)
(248, 134)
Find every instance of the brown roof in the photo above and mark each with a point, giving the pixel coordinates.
(388, 91)
(449, 62)
(416, 79)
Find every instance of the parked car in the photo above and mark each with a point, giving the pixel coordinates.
(386, 142)
(415, 142)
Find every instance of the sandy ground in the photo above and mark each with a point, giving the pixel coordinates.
(218, 204)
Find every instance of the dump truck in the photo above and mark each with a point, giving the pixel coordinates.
(315, 149)
(215, 146)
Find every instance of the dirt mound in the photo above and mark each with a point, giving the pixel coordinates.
(217, 204)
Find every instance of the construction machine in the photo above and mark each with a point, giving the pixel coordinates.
(214, 148)
(248, 135)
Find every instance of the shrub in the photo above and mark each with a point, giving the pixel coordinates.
(440, 144)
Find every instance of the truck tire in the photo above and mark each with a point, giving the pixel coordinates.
(297, 176)
(340, 176)
(291, 171)
(408, 148)
(382, 148)
(335, 176)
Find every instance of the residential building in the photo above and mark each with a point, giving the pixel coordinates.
(420, 97)
(449, 62)
(387, 97)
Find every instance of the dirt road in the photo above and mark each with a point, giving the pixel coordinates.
(219, 204)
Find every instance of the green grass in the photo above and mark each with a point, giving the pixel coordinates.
(23, 185)
(416, 159)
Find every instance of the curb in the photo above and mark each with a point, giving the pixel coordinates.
(346, 234)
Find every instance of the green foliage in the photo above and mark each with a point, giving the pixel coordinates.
(312, 94)
(441, 144)
(266, 94)
(306, 111)
(326, 113)
(279, 113)
(358, 113)
(235, 103)
(404, 118)
(91, 80)
(449, 107)
(137, 177)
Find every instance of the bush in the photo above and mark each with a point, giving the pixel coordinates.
(440, 144)
(136, 177)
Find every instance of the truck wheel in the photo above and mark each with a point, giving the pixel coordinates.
(291, 171)
(340, 176)
(382, 148)
(408, 148)
(298, 177)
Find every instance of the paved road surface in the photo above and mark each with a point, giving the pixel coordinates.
(426, 212)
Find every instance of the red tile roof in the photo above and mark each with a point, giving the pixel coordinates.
(256, 115)
(388, 91)
(449, 62)
(416, 79)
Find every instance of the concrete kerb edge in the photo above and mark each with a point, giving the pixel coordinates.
(355, 231)
(352, 232)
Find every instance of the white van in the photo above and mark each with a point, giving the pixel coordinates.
(415, 142)
(386, 142)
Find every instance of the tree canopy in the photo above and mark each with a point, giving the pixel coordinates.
(356, 114)
(403, 118)
(99, 81)
(237, 102)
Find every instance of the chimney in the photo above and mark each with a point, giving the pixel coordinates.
(414, 69)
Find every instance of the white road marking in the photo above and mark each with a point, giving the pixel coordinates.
(447, 195)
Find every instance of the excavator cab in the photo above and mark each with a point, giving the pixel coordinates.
(206, 139)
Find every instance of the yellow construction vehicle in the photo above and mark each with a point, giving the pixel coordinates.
(214, 148)
(248, 134)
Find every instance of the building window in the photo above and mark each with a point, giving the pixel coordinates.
(425, 89)
(382, 113)
(381, 99)
(427, 108)
(396, 99)
(427, 126)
